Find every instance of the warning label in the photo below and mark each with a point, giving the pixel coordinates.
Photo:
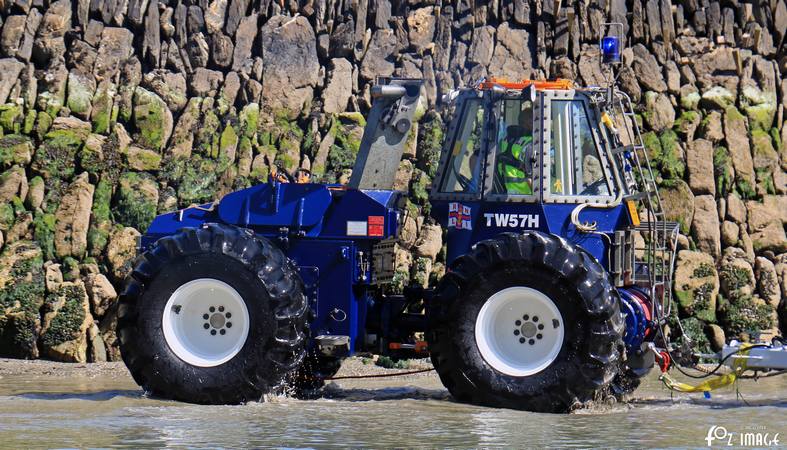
(376, 225)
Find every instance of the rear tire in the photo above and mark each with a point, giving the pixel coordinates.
(548, 275)
(234, 351)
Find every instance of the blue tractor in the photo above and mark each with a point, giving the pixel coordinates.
(559, 261)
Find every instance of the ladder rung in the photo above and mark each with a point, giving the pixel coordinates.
(636, 196)
(624, 149)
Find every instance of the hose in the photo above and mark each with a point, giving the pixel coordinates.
(379, 375)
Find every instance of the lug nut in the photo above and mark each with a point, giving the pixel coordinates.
(521, 340)
(212, 309)
(221, 309)
(516, 332)
(518, 322)
(205, 316)
(532, 341)
(228, 315)
(213, 332)
(535, 318)
(525, 317)
(540, 326)
(206, 326)
(223, 332)
(539, 336)
(229, 325)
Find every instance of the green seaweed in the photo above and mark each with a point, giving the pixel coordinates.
(722, 169)
(67, 323)
(429, 144)
(133, 206)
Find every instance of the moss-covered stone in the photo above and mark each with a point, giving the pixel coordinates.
(100, 220)
(745, 315)
(206, 138)
(15, 149)
(690, 100)
(103, 108)
(745, 189)
(43, 123)
(249, 120)
(7, 216)
(136, 200)
(55, 158)
(678, 202)
(152, 120)
(759, 107)
(44, 233)
(70, 269)
(30, 122)
(669, 161)
(289, 136)
(195, 179)
(717, 97)
(347, 130)
(723, 171)
(11, 118)
(696, 285)
(143, 159)
(228, 145)
(66, 319)
(687, 122)
(22, 291)
(80, 93)
(35, 193)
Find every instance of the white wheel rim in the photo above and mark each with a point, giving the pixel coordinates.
(519, 331)
(205, 322)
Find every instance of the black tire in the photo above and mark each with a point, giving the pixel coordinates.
(269, 286)
(624, 385)
(592, 347)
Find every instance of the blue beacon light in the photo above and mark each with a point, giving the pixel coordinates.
(610, 49)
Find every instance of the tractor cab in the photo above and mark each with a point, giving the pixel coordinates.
(525, 156)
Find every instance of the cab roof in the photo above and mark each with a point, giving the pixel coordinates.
(557, 84)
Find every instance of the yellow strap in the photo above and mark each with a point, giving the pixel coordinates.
(707, 385)
(738, 366)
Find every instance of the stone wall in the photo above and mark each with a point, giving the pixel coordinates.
(113, 111)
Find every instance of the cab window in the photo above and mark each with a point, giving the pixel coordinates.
(463, 172)
(514, 161)
(575, 166)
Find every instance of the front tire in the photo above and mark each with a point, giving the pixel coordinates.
(484, 338)
(214, 315)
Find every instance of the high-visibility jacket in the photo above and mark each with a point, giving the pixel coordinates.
(514, 165)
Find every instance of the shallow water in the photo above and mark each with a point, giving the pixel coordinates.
(49, 411)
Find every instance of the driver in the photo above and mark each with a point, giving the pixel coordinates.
(514, 160)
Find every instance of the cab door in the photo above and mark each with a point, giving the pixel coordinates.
(577, 172)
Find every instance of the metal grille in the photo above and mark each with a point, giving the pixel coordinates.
(654, 249)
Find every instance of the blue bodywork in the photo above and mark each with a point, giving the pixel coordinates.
(488, 219)
(321, 228)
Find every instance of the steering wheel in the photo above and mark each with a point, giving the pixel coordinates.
(594, 188)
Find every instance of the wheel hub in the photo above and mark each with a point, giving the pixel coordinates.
(529, 329)
(502, 349)
(197, 326)
(218, 321)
